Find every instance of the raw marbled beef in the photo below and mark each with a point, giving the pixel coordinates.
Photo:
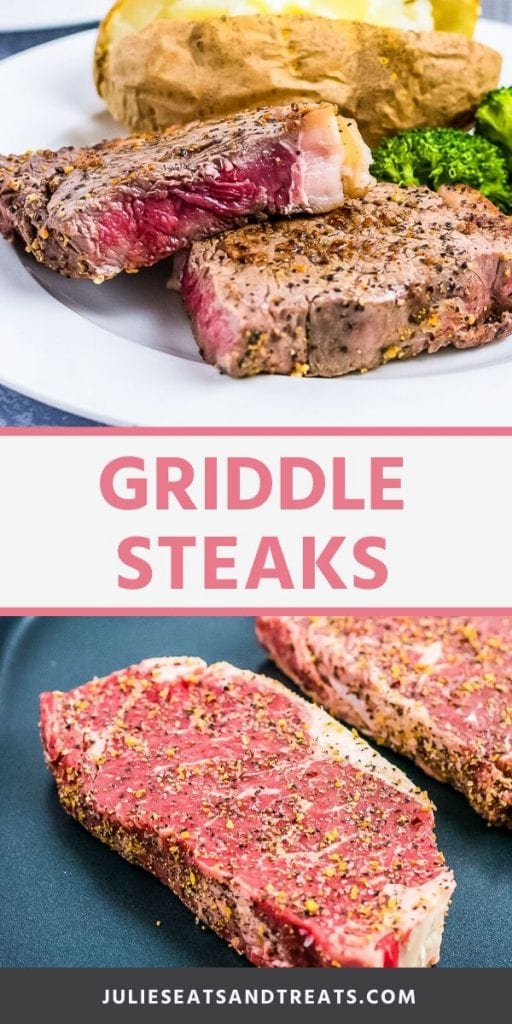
(436, 689)
(279, 828)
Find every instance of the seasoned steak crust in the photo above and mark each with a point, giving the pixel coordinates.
(388, 276)
(280, 829)
(438, 690)
(127, 203)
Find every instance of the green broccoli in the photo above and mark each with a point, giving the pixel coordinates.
(494, 119)
(445, 156)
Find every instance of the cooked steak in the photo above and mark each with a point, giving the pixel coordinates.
(280, 829)
(436, 689)
(399, 272)
(126, 204)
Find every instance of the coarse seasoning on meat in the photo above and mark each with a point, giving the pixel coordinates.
(129, 203)
(436, 689)
(398, 272)
(280, 829)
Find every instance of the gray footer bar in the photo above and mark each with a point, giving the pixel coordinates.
(90, 995)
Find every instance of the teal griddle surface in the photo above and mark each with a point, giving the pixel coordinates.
(68, 901)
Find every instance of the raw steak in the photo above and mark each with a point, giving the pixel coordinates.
(279, 828)
(398, 272)
(436, 689)
(126, 204)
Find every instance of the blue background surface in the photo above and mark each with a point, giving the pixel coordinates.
(68, 901)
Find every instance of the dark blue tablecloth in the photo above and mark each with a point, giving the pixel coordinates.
(17, 410)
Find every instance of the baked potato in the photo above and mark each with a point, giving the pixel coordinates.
(174, 71)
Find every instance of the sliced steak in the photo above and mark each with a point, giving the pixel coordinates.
(280, 829)
(126, 204)
(436, 689)
(398, 272)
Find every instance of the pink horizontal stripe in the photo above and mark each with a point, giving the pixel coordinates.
(241, 612)
(256, 431)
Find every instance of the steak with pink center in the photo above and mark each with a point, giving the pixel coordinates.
(279, 828)
(398, 272)
(436, 689)
(127, 203)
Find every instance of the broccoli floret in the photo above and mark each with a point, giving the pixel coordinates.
(445, 156)
(494, 119)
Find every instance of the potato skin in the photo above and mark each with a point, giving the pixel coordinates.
(174, 72)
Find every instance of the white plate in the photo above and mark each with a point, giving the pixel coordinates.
(123, 352)
(21, 15)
